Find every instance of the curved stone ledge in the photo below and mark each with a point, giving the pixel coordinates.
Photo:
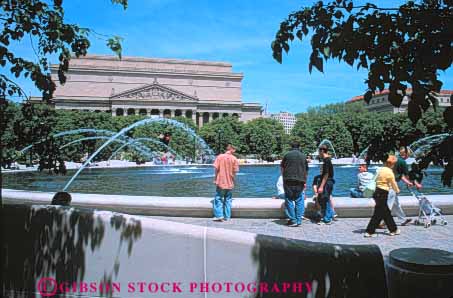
(202, 207)
(94, 246)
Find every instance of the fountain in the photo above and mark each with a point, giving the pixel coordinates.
(421, 147)
(132, 142)
(175, 123)
(71, 132)
(323, 142)
(362, 155)
(138, 140)
(417, 149)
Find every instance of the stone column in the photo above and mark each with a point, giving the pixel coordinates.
(194, 116)
(209, 117)
(161, 113)
(172, 113)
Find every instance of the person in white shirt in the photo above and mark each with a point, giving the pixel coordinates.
(280, 190)
(363, 178)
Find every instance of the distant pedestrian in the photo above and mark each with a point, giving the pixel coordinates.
(226, 166)
(385, 181)
(294, 169)
(363, 179)
(326, 187)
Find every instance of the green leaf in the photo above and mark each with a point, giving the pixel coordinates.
(114, 43)
(315, 61)
(414, 111)
(367, 96)
(349, 7)
(395, 99)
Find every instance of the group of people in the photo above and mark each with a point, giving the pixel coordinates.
(292, 183)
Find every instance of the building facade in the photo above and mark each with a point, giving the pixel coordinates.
(200, 90)
(379, 102)
(287, 119)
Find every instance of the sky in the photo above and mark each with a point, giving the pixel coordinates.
(235, 31)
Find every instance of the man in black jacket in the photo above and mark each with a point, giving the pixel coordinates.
(294, 170)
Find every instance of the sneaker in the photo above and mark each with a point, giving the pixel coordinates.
(304, 218)
(322, 222)
(368, 235)
(217, 219)
(397, 232)
(293, 224)
(335, 215)
(406, 222)
(225, 219)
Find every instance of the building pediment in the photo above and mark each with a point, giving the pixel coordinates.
(154, 91)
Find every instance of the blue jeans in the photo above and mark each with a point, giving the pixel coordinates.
(294, 210)
(222, 203)
(355, 193)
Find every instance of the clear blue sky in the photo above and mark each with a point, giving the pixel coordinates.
(236, 31)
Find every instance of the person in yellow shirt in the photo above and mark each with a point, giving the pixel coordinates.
(385, 181)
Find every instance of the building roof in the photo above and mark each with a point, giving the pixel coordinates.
(386, 91)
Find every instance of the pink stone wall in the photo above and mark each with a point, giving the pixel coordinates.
(214, 86)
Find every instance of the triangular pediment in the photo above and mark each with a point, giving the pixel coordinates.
(154, 91)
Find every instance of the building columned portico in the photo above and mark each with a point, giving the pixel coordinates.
(200, 90)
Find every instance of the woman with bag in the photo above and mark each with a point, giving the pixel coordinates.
(385, 180)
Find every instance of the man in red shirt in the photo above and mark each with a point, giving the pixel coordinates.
(226, 166)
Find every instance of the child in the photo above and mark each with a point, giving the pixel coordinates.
(415, 175)
(280, 190)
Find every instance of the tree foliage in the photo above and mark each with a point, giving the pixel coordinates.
(223, 131)
(42, 24)
(401, 47)
(264, 137)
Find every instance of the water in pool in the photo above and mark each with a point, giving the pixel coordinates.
(188, 181)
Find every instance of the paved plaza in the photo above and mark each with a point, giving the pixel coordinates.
(344, 231)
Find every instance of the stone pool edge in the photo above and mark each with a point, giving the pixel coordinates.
(202, 206)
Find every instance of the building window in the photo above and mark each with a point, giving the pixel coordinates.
(205, 117)
(167, 113)
(130, 111)
(142, 112)
(119, 112)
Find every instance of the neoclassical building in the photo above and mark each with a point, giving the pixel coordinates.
(379, 102)
(201, 90)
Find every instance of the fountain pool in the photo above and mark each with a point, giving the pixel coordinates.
(189, 181)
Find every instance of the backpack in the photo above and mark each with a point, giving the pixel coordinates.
(370, 188)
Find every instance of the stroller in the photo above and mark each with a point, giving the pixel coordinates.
(428, 214)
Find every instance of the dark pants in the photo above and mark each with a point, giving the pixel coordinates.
(381, 212)
(324, 201)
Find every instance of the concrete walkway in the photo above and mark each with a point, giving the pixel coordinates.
(343, 231)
